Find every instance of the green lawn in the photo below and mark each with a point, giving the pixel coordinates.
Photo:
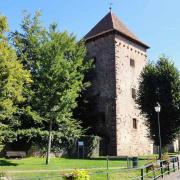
(56, 163)
(35, 167)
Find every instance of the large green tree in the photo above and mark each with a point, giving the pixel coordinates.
(57, 64)
(160, 82)
(13, 78)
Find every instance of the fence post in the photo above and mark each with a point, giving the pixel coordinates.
(174, 165)
(168, 168)
(127, 162)
(161, 166)
(107, 167)
(178, 162)
(142, 173)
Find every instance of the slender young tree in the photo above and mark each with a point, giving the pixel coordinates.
(57, 64)
(160, 82)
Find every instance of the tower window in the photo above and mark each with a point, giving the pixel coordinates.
(133, 91)
(132, 62)
(134, 123)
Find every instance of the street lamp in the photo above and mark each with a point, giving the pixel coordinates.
(158, 109)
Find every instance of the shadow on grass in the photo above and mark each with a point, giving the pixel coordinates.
(7, 163)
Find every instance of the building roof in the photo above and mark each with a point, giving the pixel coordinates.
(111, 24)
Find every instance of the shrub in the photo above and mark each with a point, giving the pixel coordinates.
(165, 157)
(2, 174)
(77, 175)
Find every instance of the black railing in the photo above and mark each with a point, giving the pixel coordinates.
(151, 171)
(159, 169)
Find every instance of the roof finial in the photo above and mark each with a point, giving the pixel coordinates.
(110, 7)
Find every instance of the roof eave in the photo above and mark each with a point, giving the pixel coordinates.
(97, 36)
(132, 39)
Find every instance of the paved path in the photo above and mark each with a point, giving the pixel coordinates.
(172, 176)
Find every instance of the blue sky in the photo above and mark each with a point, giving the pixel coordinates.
(156, 22)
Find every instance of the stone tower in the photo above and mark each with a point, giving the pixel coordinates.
(119, 58)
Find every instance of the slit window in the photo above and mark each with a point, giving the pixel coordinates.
(133, 91)
(132, 62)
(134, 123)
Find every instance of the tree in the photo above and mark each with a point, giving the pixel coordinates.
(160, 83)
(13, 78)
(57, 64)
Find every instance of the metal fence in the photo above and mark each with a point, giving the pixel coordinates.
(159, 169)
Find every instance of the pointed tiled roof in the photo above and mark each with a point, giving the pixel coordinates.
(111, 23)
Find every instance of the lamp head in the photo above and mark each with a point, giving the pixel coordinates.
(157, 107)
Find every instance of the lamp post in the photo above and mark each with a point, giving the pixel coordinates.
(158, 109)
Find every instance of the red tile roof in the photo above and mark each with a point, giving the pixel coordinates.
(111, 23)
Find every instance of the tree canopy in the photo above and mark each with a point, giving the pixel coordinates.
(13, 78)
(160, 82)
(57, 63)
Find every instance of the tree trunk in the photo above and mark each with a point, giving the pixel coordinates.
(49, 143)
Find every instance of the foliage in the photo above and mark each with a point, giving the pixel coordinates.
(13, 78)
(2, 174)
(77, 175)
(81, 175)
(56, 62)
(160, 82)
(166, 157)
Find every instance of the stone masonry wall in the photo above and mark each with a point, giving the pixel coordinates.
(130, 141)
(103, 88)
(113, 80)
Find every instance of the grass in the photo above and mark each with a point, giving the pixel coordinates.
(56, 163)
(35, 167)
